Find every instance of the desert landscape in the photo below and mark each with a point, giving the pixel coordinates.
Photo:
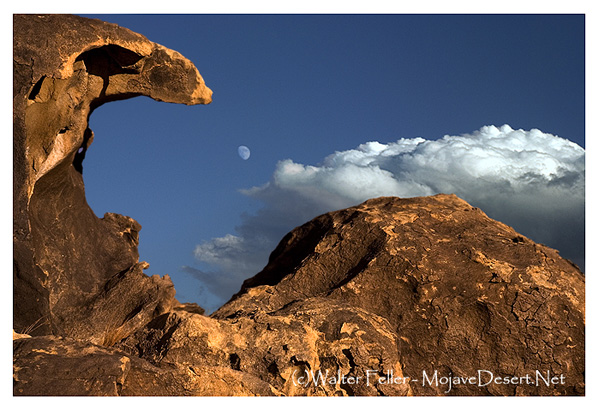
(420, 296)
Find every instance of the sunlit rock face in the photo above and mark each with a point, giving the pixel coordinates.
(75, 274)
(391, 297)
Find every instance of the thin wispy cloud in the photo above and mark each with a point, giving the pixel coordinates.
(531, 180)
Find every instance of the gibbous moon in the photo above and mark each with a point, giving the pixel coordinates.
(244, 152)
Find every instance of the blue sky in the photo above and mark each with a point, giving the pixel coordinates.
(296, 89)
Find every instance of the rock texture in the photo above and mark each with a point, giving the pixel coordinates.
(460, 291)
(363, 301)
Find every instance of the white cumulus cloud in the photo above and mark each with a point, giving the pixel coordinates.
(531, 180)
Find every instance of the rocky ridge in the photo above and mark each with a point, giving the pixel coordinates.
(372, 296)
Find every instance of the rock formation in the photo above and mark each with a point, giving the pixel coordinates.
(459, 291)
(75, 274)
(391, 297)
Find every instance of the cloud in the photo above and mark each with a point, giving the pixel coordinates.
(531, 180)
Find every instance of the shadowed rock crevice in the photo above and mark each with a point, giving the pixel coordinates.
(36, 88)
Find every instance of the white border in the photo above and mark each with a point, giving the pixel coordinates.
(312, 7)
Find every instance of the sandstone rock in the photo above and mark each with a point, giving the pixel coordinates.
(460, 291)
(54, 366)
(63, 366)
(316, 338)
(75, 274)
(16, 336)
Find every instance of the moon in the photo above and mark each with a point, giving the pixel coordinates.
(243, 152)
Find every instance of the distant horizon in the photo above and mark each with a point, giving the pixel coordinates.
(334, 108)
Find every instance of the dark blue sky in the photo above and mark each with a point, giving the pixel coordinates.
(305, 86)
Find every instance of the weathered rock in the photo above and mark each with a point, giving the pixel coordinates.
(55, 366)
(75, 274)
(63, 366)
(16, 336)
(287, 348)
(460, 291)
